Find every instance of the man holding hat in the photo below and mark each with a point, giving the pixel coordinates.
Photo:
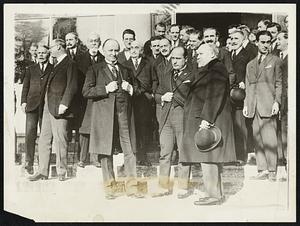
(208, 130)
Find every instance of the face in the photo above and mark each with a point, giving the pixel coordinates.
(264, 44)
(228, 44)
(273, 31)
(155, 47)
(204, 55)
(194, 41)
(183, 36)
(33, 51)
(111, 50)
(177, 58)
(135, 50)
(282, 43)
(174, 33)
(236, 40)
(210, 36)
(42, 54)
(71, 41)
(252, 37)
(54, 49)
(165, 47)
(128, 39)
(94, 43)
(261, 26)
(159, 31)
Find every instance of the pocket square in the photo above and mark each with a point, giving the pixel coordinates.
(269, 66)
(186, 81)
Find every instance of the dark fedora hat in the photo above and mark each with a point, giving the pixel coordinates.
(207, 139)
(237, 94)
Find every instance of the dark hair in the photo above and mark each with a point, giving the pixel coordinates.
(260, 33)
(232, 26)
(160, 24)
(211, 28)
(285, 34)
(265, 21)
(34, 45)
(155, 38)
(185, 53)
(278, 27)
(73, 33)
(60, 42)
(128, 31)
(198, 33)
(175, 25)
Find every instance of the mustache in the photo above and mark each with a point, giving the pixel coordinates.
(209, 41)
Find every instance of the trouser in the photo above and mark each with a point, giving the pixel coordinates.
(212, 179)
(172, 132)
(121, 127)
(284, 128)
(33, 118)
(240, 134)
(265, 141)
(53, 135)
(250, 138)
(84, 140)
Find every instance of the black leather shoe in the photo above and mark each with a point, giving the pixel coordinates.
(38, 176)
(62, 177)
(96, 164)
(29, 169)
(81, 164)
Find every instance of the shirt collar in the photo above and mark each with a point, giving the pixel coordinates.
(263, 56)
(238, 50)
(139, 60)
(60, 58)
(45, 65)
(285, 53)
(111, 63)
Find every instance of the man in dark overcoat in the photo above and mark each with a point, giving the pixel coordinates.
(108, 84)
(208, 104)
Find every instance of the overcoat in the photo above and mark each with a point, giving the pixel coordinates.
(208, 100)
(102, 118)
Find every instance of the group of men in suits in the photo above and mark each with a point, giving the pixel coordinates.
(113, 100)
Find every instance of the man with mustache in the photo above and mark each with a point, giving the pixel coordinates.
(90, 57)
(263, 98)
(240, 59)
(32, 101)
(72, 41)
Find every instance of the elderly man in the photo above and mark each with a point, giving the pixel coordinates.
(109, 85)
(58, 109)
(263, 98)
(32, 101)
(90, 57)
(72, 45)
(128, 37)
(207, 105)
(141, 71)
(170, 95)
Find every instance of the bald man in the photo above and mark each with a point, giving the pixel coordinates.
(142, 99)
(109, 85)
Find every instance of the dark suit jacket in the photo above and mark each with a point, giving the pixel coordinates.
(284, 96)
(121, 57)
(263, 85)
(20, 69)
(147, 48)
(84, 112)
(159, 69)
(79, 52)
(62, 87)
(252, 50)
(239, 63)
(103, 111)
(180, 88)
(225, 58)
(34, 85)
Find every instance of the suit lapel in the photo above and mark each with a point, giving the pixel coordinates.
(180, 79)
(140, 67)
(47, 70)
(107, 72)
(58, 66)
(263, 64)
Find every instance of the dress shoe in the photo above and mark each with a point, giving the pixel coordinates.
(209, 201)
(62, 177)
(81, 164)
(38, 176)
(184, 194)
(96, 164)
(260, 176)
(160, 192)
(272, 176)
(29, 169)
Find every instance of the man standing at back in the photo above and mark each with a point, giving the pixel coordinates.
(159, 30)
(274, 29)
(72, 45)
(58, 109)
(263, 97)
(128, 37)
(174, 35)
(195, 41)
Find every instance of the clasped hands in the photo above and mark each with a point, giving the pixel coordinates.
(113, 86)
(205, 125)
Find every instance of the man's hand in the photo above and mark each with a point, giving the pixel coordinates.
(127, 87)
(205, 125)
(167, 97)
(23, 106)
(275, 108)
(111, 87)
(62, 109)
(245, 111)
(242, 85)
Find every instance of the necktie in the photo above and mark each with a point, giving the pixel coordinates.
(136, 64)
(233, 54)
(94, 60)
(72, 53)
(281, 55)
(176, 74)
(54, 61)
(43, 67)
(260, 59)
